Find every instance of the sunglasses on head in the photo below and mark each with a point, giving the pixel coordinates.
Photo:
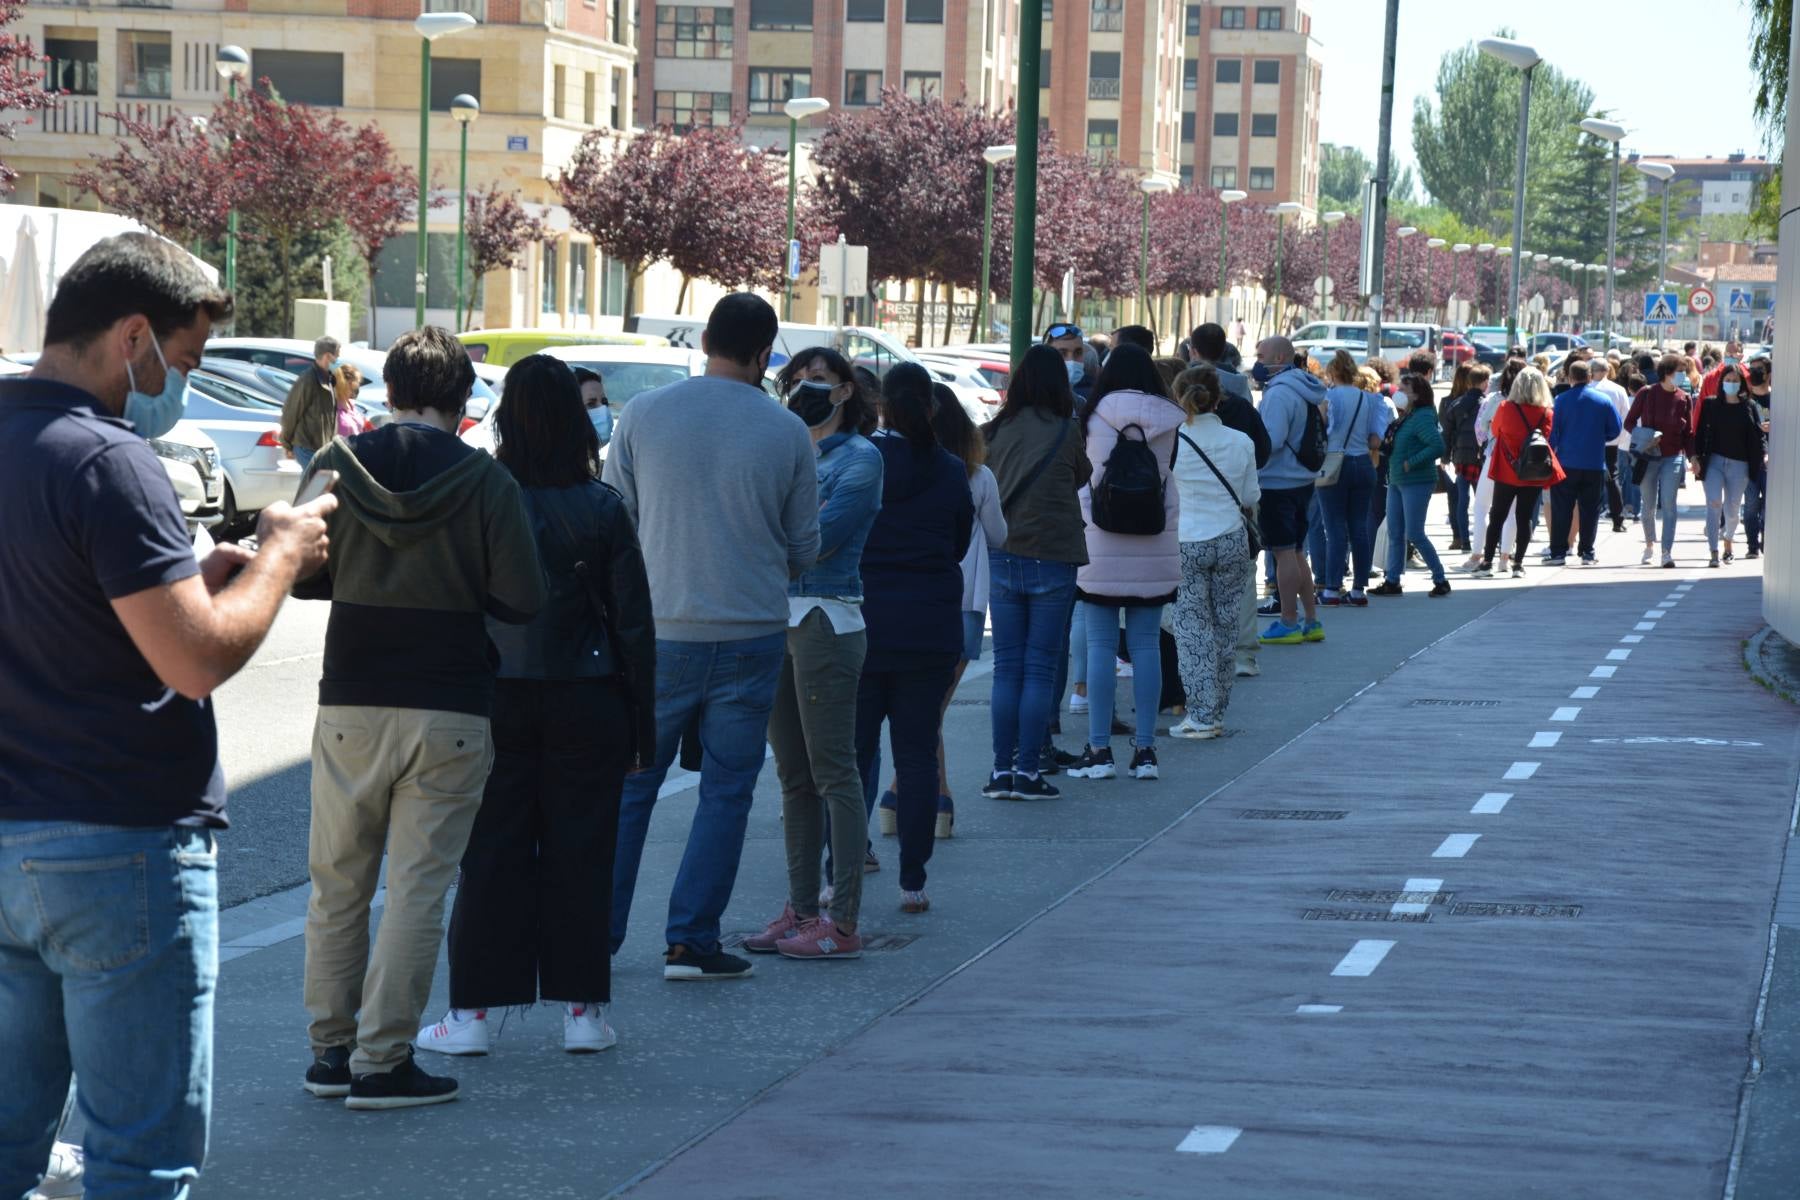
(1058, 332)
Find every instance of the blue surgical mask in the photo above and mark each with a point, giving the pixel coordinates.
(602, 418)
(156, 415)
(1731, 360)
(1261, 373)
(1076, 371)
(1729, 387)
(1681, 380)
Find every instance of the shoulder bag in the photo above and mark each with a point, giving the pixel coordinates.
(1251, 532)
(1334, 459)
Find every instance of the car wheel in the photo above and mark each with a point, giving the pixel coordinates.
(232, 519)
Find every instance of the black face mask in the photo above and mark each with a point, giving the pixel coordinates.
(1758, 377)
(811, 402)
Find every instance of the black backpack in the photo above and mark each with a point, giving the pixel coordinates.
(1129, 496)
(1534, 461)
(1313, 444)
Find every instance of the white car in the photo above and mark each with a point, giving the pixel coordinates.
(243, 425)
(963, 376)
(292, 354)
(192, 461)
(627, 370)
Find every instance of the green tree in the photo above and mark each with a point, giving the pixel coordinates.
(1342, 170)
(1771, 33)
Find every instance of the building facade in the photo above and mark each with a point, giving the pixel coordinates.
(1727, 185)
(1251, 81)
(1110, 81)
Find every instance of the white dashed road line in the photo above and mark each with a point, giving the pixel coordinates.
(1419, 887)
(1319, 1009)
(1603, 672)
(1456, 845)
(1491, 802)
(1543, 740)
(1521, 770)
(1632, 639)
(1209, 1139)
(1645, 626)
(1587, 692)
(1363, 958)
(1655, 614)
(1566, 714)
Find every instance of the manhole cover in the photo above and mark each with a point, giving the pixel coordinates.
(1292, 814)
(1453, 704)
(971, 703)
(1366, 896)
(1551, 911)
(1365, 914)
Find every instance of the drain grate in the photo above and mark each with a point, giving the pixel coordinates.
(1292, 814)
(1453, 703)
(1367, 896)
(981, 702)
(1551, 911)
(1365, 914)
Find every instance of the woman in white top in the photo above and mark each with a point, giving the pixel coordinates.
(1484, 486)
(1216, 561)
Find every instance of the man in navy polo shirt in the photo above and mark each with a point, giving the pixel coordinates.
(112, 636)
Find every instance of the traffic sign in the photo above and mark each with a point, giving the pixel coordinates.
(1740, 300)
(793, 262)
(843, 269)
(1660, 308)
(1701, 301)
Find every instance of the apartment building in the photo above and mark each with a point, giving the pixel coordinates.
(1727, 185)
(1110, 79)
(1250, 100)
(709, 63)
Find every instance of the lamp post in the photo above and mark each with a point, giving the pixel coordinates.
(1432, 243)
(1227, 198)
(1607, 131)
(232, 64)
(430, 27)
(1327, 285)
(1483, 248)
(1662, 173)
(993, 156)
(465, 108)
(797, 110)
(1538, 261)
(1150, 186)
(1556, 263)
(1456, 251)
(1401, 234)
(1525, 60)
(1282, 211)
(1512, 315)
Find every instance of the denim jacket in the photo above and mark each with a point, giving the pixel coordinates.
(850, 476)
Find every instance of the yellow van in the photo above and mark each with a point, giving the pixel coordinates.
(504, 347)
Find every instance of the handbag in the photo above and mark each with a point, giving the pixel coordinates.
(1334, 459)
(1248, 514)
(1445, 483)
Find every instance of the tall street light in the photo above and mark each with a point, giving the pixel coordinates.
(1538, 260)
(1556, 264)
(430, 27)
(1457, 251)
(1662, 173)
(465, 108)
(1484, 248)
(1227, 198)
(993, 156)
(1282, 211)
(1512, 314)
(1401, 234)
(1607, 131)
(1327, 285)
(1525, 60)
(1150, 186)
(797, 110)
(232, 64)
(1433, 243)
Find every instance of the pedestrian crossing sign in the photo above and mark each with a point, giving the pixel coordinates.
(1660, 308)
(1740, 300)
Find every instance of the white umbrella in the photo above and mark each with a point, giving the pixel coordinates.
(22, 298)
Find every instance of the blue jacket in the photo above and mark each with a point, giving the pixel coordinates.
(913, 560)
(1283, 413)
(1584, 422)
(850, 472)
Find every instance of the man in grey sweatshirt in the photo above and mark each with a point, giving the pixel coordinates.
(723, 485)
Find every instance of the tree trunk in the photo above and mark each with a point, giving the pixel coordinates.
(681, 296)
(919, 316)
(949, 310)
(284, 244)
(1042, 300)
(976, 318)
(633, 276)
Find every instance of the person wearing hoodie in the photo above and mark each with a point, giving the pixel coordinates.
(1133, 573)
(1287, 489)
(430, 538)
(1457, 421)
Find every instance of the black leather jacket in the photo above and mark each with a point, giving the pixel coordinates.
(589, 551)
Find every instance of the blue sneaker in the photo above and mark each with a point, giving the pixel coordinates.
(1278, 634)
(1313, 631)
(890, 814)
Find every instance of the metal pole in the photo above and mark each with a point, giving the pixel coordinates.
(1383, 162)
(1025, 171)
(1518, 237)
(1280, 227)
(1612, 254)
(787, 249)
(1325, 273)
(231, 226)
(1144, 266)
(462, 205)
(987, 257)
(1662, 262)
(419, 258)
(1224, 228)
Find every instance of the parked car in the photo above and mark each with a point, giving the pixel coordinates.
(1617, 341)
(504, 347)
(1399, 341)
(294, 355)
(243, 426)
(875, 349)
(1455, 349)
(964, 377)
(1493, 335)
(993, 364)
(192, 461)
(628, 371)
(1550, 343)
(270, 382)
(1489, 356)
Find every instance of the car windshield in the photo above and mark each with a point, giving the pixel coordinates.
(625, 380)
(230, 393)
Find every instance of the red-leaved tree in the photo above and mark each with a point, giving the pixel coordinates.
(170, 176)
(380, 195)
(729, 210)
(498, 229)
(21, 86)
(615, 191)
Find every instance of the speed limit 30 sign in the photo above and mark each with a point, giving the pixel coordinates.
(1701, 301)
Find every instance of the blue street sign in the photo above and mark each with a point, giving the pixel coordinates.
(793, 271)
(1740, 300)
(1660, 308)
(517, 141)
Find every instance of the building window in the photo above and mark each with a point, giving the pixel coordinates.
(1224, 177)
(781, 14)
(1187, 176)
(1231, 18)
(692, 31)
(144, 67)
(1048, 4)
(770, 88)
(1190, 74)
(621, 93)
(301, 76)
(1262, 179)
(1228, 70)
(865, 10)
(1107, 16)
(920, 84)
(589, 80)
(1225, 124)
(1268, 18)
(579, 256)
(1268, 70)
(1187, 126)
(1044, 70)
(924, 12)
(549, 278)
(1103, 75)
(1263, 124)
(862, 87)
(453, 77)
(682, 111)
(1103, 140)
(73, 66)
(1192, 28)
(559, 78)
(614, 280)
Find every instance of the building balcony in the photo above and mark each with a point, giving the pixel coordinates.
(1103, 89)
(93, 115)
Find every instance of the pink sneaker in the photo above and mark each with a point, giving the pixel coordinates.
(821, 938)
(784, 925)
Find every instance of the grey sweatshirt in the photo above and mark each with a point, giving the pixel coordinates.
(722, 483)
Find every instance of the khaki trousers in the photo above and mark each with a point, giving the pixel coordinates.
(408, 781)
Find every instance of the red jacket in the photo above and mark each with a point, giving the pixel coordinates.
(1511, 426)
(1670, 412)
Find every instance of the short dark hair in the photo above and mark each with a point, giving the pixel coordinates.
(428, 368)
(1422, 362)
(1208, 341)
(741, 327)
(1580, 372)
(128, 275)
(906, 402)
(858, 412)
(542, 431)
(1134, 335)
(1671, 363)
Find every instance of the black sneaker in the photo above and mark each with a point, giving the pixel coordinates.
(1269, 608)
(1054, 761)
(1026, 787)
(871, 864)
(1094, 764)
(329, 1075)
(685, 963)
(1440, 589)
(1390, 588)
(1518, 570)
(1557, 560)
(1143, 764)
(406, 1086)
(999, 786)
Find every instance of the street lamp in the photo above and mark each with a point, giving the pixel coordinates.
(1151, 186)
(1512, 315)
(1227, 198)
(1457, 251)
(464, 108)
(1662, 173)
(1326, 284)
(797, 110)
(1434, 243)
(1525, 60)
(1401, 234)
(1607, 131)
(1282, 211)
(232, 63)
(430, 27)
(993, 156)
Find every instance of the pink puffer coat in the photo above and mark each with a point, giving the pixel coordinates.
(1123, 568)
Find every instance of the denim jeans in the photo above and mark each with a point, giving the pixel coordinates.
(1754, 494)
(1578, 496)
(731, 685)
(1028, 605)
(1317, 542)
(1662, 479)
(1349, 536)
(1460, 497)
(1077, 670)
(303, 456)
(109, 955)
(1143, 635)
(1407, 503)
(1629, 492)
(1726, 479)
